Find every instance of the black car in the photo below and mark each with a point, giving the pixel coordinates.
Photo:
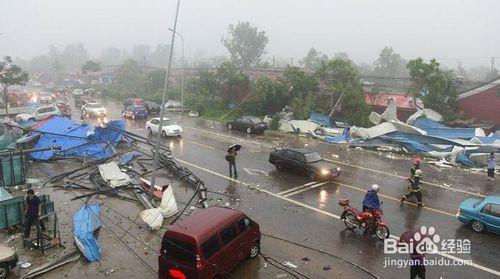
(304, 161)
(152, 107)
(249, 124)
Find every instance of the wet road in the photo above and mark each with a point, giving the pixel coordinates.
(288, 206)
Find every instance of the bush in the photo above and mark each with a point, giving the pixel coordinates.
(275, 122)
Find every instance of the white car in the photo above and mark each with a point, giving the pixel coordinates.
(37, 114)
(45, 97)
(94, 110)
(169, 129)
(77, 92)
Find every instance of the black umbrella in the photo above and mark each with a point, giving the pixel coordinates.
(236, 147)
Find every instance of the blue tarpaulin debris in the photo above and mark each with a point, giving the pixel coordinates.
(322, 119)
(129, 156)
(433, 128)
(75, 139)
(86, 225)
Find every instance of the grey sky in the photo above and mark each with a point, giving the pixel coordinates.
(446, 29)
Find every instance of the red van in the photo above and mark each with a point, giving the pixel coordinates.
(208, 244)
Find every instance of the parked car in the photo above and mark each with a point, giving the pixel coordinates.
(208, 244)
(304, 161)
(152, 107)
(135, 111)
(45, 97)
(133, 101)
(94, 110)
(38, 114)
(77, 92)
(249, 124)
(481, 214)
(169, 128)
(8, 260)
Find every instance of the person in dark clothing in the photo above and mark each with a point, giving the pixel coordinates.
(492, 163)
(415, 188)
(231, 158)
(32, 212)
(417, 267)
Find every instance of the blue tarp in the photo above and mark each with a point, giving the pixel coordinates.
(437, 129)
(322, 119)
(75, 139)
(335, 139)
(85, 226)
(129, 156)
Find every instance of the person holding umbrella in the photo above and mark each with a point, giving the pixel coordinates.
(231, 159)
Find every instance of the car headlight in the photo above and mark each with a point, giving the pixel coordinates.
(338, 169)
(324, 172)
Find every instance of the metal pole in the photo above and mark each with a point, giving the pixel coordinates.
(183, 68)
(162, 109)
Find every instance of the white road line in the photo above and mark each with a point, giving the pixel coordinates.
(346, 164)
(296, 188)
(478, 266)
(306, 189)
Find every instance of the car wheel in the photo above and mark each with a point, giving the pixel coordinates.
(229, 126)
(150, 132)
(249, 130)
(4, 270)
(163, 134)
(312, 175)
(477, 226)
(254, 250)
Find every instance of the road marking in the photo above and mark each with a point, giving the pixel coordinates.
(346, 164)
(306, 189)
(296, 188)
(399, 176)
(200, 144)
(478, 266)
(255, 171)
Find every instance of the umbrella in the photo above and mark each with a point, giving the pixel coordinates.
(407, 236)
(236, 147)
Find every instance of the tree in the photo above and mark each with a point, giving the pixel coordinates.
(435, 87)
(10, 74)
(343, 78)
(298, 83)
(206, 85)
(245, 44)
(313, 59)
(159, 57)
(74, 55)
(90, 67)
(390, 64)
(271, 95)
(140, 53)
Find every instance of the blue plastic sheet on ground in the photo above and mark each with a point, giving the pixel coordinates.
(75, 139)
(85, 228)
(129, 156)
(322, 119)
(335, 139)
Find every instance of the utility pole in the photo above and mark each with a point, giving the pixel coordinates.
(162, 108)
(183, 69)
(274, 62)
(492, 67)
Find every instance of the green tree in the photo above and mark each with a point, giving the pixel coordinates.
(271, 95)
(343, 78)
(206, 85)
(246, 44)
(10, 74)
(313, 59)
(390, 64)
(435, 87)
(298, 82)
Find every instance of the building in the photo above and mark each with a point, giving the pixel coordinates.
(482, 103)
(405, 103)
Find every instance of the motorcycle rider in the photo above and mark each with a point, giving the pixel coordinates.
(415, 188)
(371, 203)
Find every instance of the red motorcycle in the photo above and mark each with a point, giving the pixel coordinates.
(368, 221)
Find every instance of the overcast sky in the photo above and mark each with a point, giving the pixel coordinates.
(445, 29)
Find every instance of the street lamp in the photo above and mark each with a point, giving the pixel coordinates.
(182, 74)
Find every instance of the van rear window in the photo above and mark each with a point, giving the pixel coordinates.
(177, 250)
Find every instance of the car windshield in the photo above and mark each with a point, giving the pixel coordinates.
(95, 106)
(168, 122)
(313, 157)
(253, 120)
(477, 203)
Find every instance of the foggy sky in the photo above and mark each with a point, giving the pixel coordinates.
(449, 30)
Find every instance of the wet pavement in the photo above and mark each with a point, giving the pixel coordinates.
(299, 219)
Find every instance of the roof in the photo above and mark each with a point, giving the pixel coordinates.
(205, 223)
(403, 100)
(479, 89)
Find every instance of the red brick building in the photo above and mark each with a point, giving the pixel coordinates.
(405, 103)
(482, 103)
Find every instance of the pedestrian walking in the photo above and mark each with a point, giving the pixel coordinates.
(347, 135)
(415, 190)
(492, 163)
(32, 212)
(231, 159)
(417, 267)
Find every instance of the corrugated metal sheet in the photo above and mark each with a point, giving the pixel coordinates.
(403, 100)
(436, 129)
